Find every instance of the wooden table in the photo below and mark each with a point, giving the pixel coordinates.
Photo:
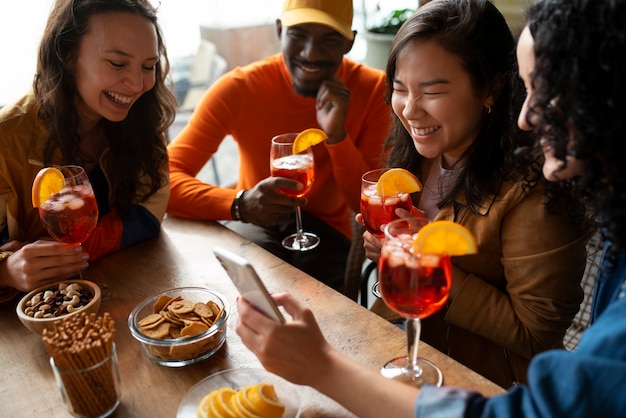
(182, 256)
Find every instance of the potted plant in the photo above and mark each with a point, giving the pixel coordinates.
(380, 34)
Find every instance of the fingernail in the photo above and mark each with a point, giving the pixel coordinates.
(84, 266)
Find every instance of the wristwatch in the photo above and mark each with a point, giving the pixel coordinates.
(235, 209)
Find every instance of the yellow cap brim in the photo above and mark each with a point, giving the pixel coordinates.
(307, 15)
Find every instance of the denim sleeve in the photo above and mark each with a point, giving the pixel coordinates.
(443, 402)
(587, 382)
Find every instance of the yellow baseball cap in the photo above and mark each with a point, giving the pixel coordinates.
(336, 14)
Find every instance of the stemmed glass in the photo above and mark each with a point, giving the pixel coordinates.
(415, 286)
(70, 215)
(299, 167)
(380, 210)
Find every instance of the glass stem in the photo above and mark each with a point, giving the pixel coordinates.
(413, 330)
(300, 237)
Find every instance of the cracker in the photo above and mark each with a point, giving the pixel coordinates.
(161, 303)
(203, 310)
(193, 328)
(181, 306)
(160, 331)
(151, 321)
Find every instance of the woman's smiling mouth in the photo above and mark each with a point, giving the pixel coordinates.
(424, 131)
(118, 98)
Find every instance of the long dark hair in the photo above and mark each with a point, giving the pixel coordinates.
(579, 98)
(477, 33)
(138, 143)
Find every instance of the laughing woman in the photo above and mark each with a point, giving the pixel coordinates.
(100, 101)
(455, 93)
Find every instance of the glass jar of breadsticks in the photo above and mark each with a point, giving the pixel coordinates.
(84, 362)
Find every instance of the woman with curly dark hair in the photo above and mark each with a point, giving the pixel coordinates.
(455, 92)
(571, 58)
(100, 101)
(576, 108)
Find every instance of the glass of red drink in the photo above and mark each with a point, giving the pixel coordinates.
(299, 167)
(415, 286)
(71, 214)
(379, 210)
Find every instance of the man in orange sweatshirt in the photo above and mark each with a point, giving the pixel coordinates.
(309, 85)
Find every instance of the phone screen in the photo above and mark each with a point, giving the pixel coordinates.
(247, 281)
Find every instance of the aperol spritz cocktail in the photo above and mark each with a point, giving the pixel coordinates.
(66, 203)
(380, 210)
(296, 167)
(71, 215)
(415, 286)
(299, 167)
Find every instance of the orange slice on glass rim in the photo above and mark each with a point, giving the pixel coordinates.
(444, 237)
(308, 138)
(396, 181)
(49, 180)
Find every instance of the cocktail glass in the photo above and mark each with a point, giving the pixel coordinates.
(380, 210)
(71, 215)
(299, 167)
(415, 286)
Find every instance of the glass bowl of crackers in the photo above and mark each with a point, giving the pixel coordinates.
(180, 326)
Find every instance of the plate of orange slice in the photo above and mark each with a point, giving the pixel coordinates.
(244, 392)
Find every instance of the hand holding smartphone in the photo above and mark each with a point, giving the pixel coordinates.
(248, 283)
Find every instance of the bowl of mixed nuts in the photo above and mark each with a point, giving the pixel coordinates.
(42, 307)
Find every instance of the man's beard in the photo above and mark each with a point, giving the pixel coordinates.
(305, 92)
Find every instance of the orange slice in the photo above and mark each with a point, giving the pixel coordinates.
(48, 181)
(396, 181)
(264, 400)
(308, 138)
(203, 410)
(444, 237)
(221, 401)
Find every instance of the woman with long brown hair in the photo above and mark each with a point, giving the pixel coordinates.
(100, 101)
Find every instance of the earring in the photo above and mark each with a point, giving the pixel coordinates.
(488, 108)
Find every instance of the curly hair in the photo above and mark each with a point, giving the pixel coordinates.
(137, 144)
(579, 98)
(477, 33)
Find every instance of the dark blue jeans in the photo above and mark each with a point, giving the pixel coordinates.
(326, 262)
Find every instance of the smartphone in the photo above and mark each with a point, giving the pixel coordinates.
(248, 283)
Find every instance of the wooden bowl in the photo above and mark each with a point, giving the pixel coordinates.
(37, 325)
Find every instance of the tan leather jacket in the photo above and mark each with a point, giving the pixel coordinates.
(522, 289)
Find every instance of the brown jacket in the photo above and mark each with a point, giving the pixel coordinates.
(522, 288)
